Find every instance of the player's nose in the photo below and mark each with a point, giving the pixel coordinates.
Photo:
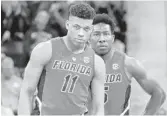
(102, 39)
(81, 33)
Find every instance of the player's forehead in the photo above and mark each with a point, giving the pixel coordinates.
(80, 21)
(101, 27)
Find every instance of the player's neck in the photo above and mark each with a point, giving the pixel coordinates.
(108, 55)
(76, 49)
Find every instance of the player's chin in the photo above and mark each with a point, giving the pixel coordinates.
(101, 52)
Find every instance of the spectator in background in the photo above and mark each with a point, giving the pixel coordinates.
(103, 7)
(15, 24)
(59, 15)
(10, 84)
(6, 10)
(118, 42)
(119, 13)
(15, 20)
(36, 6)
(40, 31)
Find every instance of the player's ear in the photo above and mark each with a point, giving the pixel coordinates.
(67, 24)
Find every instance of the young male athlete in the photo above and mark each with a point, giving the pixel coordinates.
(69, 68)
(120, 69)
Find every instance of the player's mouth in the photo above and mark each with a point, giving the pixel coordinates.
(103, 46)
(80, 40)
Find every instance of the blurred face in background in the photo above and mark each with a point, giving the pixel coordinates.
(102, 38)
(41, 20)
(79, 30)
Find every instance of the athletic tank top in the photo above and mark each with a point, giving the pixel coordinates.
(117, 85)
(64, 84)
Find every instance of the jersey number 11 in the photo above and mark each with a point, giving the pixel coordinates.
(67, 83)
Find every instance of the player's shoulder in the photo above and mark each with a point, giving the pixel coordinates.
(119, 53)
(99, 67)
(130, 61)
(56, 39)
(98, 62)
(98, 59)
(48, 43)
(133, 65)
(43, 47)
(42, 51)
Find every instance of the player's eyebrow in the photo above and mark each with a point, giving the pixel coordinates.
(77, 25)
(96, 32)
(105, 31)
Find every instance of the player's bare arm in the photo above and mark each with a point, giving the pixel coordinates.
(40, 55)
(136, 70)
(97, 87)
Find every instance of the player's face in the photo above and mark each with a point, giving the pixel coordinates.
(79, 29)
(102, 38)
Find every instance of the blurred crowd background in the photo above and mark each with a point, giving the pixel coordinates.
(24, 24)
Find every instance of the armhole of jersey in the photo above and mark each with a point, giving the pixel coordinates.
(44, 71)
(129, 77)
(40, 84)
(93, 73)
(52, 44)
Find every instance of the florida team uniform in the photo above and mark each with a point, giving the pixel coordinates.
(64, 85)
(117, 86)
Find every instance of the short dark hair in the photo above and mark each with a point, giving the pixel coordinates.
(82, 10)
(104, 18)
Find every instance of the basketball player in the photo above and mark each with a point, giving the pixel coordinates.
(70, 69)
(120, 69)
